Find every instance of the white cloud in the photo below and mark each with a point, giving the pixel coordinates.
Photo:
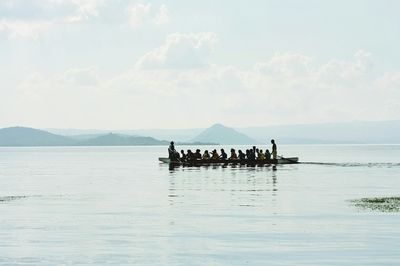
(39, 17)
(162, 17)
(24, 28)
(288, 88)
(180, 51)
(81, 77)
(138, 13)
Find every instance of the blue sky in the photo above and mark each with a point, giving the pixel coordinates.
(177, 64)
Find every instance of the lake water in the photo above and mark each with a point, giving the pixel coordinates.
(119, 205)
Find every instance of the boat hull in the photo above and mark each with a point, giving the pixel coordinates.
(289, 160)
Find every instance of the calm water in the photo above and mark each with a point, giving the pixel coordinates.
(118, 205)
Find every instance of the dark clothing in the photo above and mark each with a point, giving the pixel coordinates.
(224, 156)
(242, 156)
(197, 155)
(171, 151)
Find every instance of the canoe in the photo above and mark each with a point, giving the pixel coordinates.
(281, 160)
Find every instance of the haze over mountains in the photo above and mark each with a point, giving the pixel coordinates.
(333, 133)
(327, 133)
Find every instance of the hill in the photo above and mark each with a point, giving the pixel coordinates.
(24, 136)
(122, 140)
(372, 132)
(223, 135)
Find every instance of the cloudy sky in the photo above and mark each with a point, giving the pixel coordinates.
(120, 64)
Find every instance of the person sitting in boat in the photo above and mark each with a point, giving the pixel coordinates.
(183, 156)
(260, 155)
(197, 155)
(233, 155)
(252, 155)
(190, 156)
(214, 155)
(242, 156)
(223, 155)
(267, 154)
(274, 150)
(206, 155)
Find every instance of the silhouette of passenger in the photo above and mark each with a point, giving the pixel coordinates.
(267, 155)
(233, 155)
(215, 155)
(274, 150)
(206, 155)
(171, 151)
(183, 156)
(223, 155)
(197, 155)
(242, 156)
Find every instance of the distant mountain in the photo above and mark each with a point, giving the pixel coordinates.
(181, 135)
(122, 140)
(330, 133)
(223, 135)
(24, 136)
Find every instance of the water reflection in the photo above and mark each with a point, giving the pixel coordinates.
(213, 185)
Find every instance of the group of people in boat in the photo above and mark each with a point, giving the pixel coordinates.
(252, 154)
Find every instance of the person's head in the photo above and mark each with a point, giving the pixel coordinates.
(182, 151)
(272, 141)
(198, 151)
(261, 151)
(232, 150)
(189, 151)
(206, 151)
(267, 150)
(222, 151)
(257, 151)
(240, 151)
(172, 143)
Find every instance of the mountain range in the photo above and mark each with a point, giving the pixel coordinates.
(328, 133)
(357, 132)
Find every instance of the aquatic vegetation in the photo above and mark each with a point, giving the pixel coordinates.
(10, 198)
(383, 204)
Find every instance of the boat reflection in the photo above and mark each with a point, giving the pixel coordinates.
(237, 185)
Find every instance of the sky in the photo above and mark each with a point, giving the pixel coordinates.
(121, 64)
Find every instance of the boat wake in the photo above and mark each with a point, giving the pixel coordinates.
(377, 165)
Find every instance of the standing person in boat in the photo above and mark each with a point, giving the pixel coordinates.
(274, 150)
(173, 155)
(223, 155)
(233, 155)
(171, 151)
(206, 155)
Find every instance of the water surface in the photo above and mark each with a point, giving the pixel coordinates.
(118, 205)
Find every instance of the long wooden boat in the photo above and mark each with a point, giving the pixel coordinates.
(280, 160)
